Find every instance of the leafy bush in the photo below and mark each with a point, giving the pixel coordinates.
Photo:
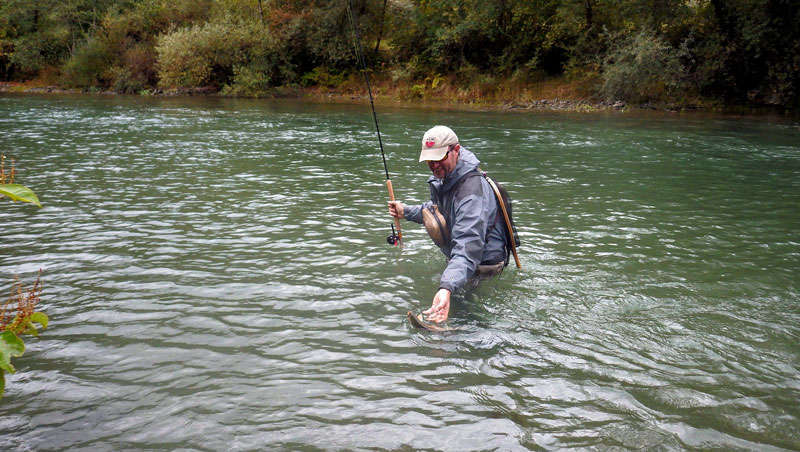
(321, 76)
(119, 52)
(184, 57)
(87, 64)
(248, 81)
(18, 316)
(123, 81)
(641, 68)
(740, 51)
(35, 52)
(207, 54)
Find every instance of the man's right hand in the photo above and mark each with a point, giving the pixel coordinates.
(397, 209)
(440, 307)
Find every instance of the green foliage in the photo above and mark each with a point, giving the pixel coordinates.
(11, 190)
(207, 54)
(124, 81)
(25, 323)
(19, 193)
(35, 52)
(321, 76)
(248, 81)
(39, 35)
(747, 50)
(418, 90)
(428, 85)
(186, 56)
(11, 346)
(119, 53)
(245, 10)
(640, 68)
(328, 35)
(736, 50)
(88, 65)
(23, 303)
(134, 68)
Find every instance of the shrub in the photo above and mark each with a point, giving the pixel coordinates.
(18, 316)
(87, 65)
(35, 52)
(206, 54)
(183, 57)
(123, 81)
(640, 68)
(248, 81)
(321, 76)
(140, 62)
(119, 51)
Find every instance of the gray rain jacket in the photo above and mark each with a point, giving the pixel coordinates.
(469, 206)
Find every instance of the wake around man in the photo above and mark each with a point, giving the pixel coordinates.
(461, 217)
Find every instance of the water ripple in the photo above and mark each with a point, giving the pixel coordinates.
(217, 278)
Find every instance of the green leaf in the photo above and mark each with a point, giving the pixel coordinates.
(30, 328)
(10, 346)
(18, 325)
(2, 382)
(19, 192)
(40, 318)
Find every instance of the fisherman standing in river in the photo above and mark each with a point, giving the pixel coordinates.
(462, 217)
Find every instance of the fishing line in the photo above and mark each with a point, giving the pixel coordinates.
(395, 238)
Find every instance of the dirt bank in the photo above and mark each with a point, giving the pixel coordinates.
(381, 97)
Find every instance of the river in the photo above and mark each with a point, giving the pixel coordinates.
(217, 277)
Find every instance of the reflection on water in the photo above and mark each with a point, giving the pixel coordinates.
(217, 278)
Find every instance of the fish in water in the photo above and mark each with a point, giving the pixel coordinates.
(419, 322)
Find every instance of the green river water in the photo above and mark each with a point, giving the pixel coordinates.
(217, 278)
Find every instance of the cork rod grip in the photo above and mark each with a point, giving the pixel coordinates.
(396, 220)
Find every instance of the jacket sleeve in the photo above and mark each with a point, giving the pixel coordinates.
(468, 239)
(414, 213)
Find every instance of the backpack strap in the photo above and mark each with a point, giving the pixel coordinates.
(505, 216)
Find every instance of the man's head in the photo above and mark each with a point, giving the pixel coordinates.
(440, 149)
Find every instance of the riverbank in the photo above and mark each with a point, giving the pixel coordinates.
(554, 95)
(551, 96)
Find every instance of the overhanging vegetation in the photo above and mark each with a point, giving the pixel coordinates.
(743, 52)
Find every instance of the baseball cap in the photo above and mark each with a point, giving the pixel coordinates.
(435, 143)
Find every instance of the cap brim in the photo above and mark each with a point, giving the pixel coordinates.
(433, 153)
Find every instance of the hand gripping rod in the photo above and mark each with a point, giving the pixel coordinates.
(398, 238)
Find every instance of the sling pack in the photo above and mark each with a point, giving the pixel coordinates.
(504, 204)
(436, 227)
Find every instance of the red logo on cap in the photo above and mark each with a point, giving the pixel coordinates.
(430, 142)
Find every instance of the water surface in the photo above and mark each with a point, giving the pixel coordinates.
(217, 277)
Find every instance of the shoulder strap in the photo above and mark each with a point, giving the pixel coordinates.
(502, 205)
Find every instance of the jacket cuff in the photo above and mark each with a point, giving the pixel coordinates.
(448, 286)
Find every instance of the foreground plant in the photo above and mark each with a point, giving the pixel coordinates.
(14, 191)
(18, 316)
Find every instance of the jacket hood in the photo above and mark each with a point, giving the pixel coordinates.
(467, 161)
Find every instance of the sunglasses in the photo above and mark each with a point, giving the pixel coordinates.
(441, 160)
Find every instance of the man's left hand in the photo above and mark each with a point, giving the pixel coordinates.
(440, 307)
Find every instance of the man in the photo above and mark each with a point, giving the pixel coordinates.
(474, 233)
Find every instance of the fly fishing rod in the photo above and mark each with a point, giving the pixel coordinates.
(397, 237)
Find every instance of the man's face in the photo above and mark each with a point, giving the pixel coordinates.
(443, 167)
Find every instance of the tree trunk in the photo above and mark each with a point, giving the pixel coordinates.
(589, 13)
(261, 12)
(380, 30)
